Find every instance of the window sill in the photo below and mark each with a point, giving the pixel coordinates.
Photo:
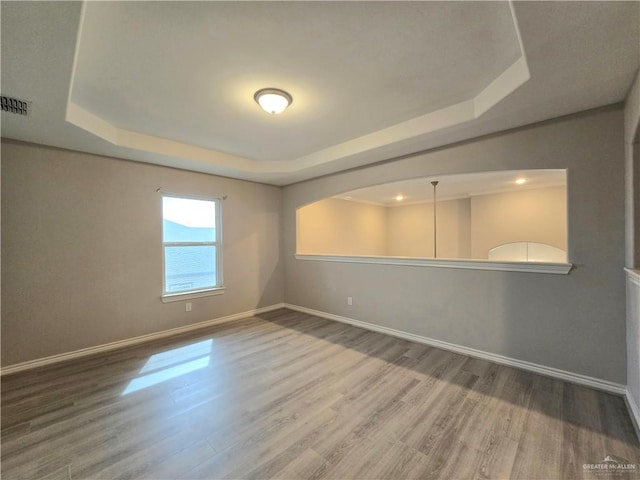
(176, 297)
(633, 275)
(530, 267)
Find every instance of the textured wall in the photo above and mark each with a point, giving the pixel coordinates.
(82, 251)
(574, 322)
(536, 215)
(410, 230)
(342, 227)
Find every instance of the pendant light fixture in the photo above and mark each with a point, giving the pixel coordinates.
(435, 237)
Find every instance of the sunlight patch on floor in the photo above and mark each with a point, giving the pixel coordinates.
(171, 364)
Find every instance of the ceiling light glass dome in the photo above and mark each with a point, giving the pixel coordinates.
(273, 100)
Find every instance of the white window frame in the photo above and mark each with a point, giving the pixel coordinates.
(204, 292)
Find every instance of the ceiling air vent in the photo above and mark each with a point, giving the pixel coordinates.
(14, 105)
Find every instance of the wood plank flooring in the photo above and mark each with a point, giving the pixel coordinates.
(292, 396)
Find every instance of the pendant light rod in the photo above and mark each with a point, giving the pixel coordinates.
(435, 238)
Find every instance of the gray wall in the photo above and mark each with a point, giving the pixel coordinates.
(574, 322)
(82, 255)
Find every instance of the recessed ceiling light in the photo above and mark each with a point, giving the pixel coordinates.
(521, 181)
(399, 197)
(347, 197)
(273, 100)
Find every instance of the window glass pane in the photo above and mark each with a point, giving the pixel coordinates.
(189, 268)
(188, 220)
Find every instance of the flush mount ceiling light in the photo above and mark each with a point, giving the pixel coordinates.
(399, 197)
(521, 181)
(273, 100)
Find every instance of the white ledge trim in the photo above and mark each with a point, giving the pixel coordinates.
(530, 267)
(633, 275)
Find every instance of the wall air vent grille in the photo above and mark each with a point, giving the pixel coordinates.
(14, 105)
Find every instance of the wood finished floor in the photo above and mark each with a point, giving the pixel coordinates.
(292, 396)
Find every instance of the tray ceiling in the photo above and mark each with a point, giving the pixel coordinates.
(172, 83)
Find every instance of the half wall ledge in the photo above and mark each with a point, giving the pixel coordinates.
(528, 267)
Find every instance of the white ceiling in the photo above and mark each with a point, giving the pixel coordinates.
(172, 83)
(420, 190)
(192, 76)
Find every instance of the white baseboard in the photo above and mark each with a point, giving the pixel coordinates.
(634, 411)
(576, 378)
(18, 367)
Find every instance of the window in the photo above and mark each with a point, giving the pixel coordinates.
(191, 245)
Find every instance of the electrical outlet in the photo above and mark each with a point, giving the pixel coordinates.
(349, 300)
(187, 307)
